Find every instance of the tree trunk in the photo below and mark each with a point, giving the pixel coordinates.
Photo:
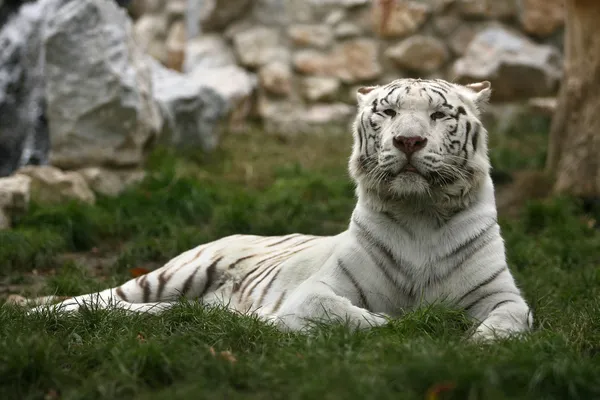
(574, 148)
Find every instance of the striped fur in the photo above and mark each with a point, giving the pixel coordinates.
(414, 237)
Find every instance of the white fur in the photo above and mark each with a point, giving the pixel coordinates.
(410, 241)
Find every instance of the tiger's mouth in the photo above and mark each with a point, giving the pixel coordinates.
(410, 168)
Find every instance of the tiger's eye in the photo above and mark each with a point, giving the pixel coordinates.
(389, 112)
(437, 115)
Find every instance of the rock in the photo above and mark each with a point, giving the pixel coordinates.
(176, 42)
(352, 61)
(541, 17)
(207, 51)
(339, 3)
(393, 18)
(108, 120)
(419, 53)
(461, 38)
(289, 118)
(15, 193)
(276, 78)
(176, 9)
(50, 185)
(24, 137)
(335, 17)
(192, 110)
(317, 88)
(151, 35)
(347, 30)
(440, 6)
(142, 7)
(489, 9)
(311, 35)
(110, 182)
(215, 15)
(543, 105)
(259, 45)
(444, 25)
(232, 83)
(516, 66)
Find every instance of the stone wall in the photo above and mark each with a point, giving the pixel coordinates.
(310, 55)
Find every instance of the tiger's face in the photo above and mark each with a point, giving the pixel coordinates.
(420, 138)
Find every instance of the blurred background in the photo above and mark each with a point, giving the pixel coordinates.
(89, 89)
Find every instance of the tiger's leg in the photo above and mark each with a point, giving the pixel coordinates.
(315, 301)
(189, 275)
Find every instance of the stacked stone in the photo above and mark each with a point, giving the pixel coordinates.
(310, 55)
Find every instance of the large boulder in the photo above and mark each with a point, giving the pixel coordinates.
(517, 67)
(192, 110)
(24, 135)
(98, 87)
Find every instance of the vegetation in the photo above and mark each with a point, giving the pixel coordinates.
(275, 186)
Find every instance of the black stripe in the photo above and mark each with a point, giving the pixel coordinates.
(188, 282)
(470, 241)
(121, 294)
(475, 138)
(290, 237)
(259, 279)
(485, 296)
(361, 294)
(278, 302)
(210, 276)
(387, 252)
(473, 250)
(385, 271)
(162, 282)
(500, 304)
(239, 260)
(146, 287)
(481, 284)
(266, 289)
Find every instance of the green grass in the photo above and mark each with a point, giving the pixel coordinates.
(273, 185)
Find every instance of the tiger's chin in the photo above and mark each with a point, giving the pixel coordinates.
(409, 184)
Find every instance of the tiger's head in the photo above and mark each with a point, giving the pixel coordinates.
(420, 139)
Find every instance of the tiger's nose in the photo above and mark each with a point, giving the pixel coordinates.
(409, 144)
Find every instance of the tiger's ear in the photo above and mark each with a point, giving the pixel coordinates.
(362, 92)
(480, 93)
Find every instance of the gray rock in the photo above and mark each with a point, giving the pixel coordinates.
(192, 111)
(276, 78)
(215, 15)
(110, 119)
(151, 34)
(207, 51)
(234, 84)
(290, 118)
(517, 67)
(419, 53)
(259, 45)
(24, 137)
(50, 185)
(311, 35)
(15, 193)
(110, 182)
(320, 88)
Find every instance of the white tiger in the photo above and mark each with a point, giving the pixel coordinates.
(424, 230)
